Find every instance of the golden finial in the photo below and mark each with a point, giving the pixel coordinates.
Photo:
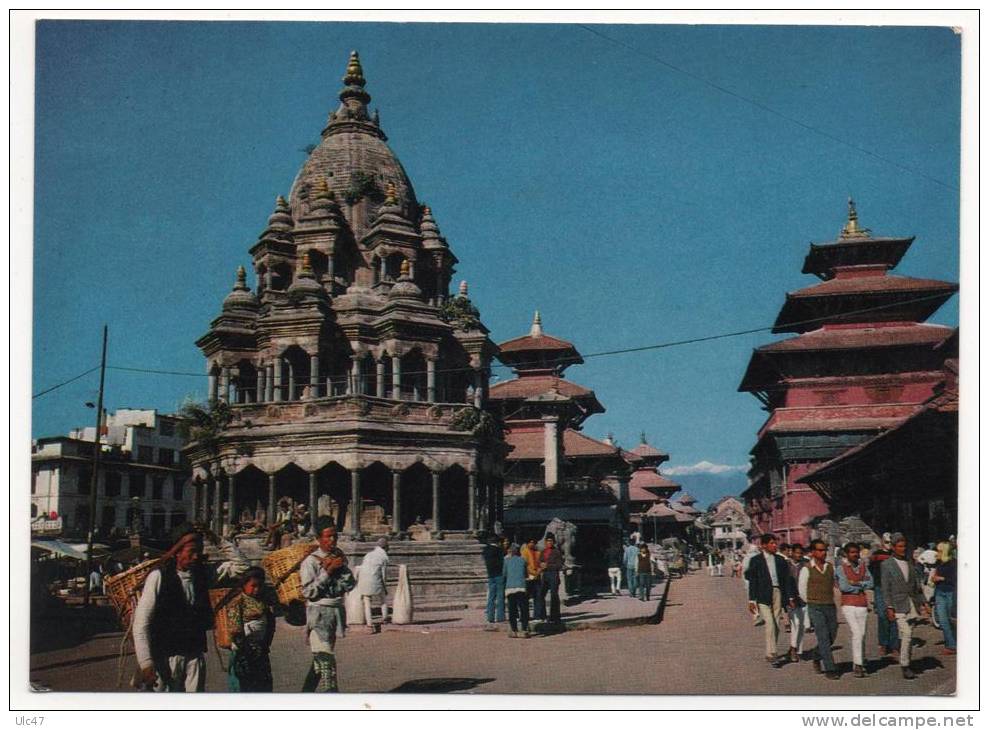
(355, 74)
(281, 202)
(391, 194)
(306, 263)
(851, 229)
(405, 269)
(321, 187)
(537, 326)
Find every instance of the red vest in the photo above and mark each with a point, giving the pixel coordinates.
(853, 575)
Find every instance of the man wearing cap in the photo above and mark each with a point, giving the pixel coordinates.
(172, 618)
(903, 596)
(371, 581)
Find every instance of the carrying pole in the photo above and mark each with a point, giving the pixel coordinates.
(95, 476)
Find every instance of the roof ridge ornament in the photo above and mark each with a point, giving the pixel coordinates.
(241, 283)
(537, 326)
(355, 73)
(353, 114)
(851, 228)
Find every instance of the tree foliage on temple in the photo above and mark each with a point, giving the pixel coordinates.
(203, 423)
(459, 312)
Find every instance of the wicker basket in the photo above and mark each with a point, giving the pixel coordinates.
(220, 599)
(124, 589)
(283, 569)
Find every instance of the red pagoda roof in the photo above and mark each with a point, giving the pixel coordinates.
(531, 444)
(539, 351)
(638, 494)
(822, 258)
(531, 344)
(649, 479)
(650, 454)
(853, 338)
(531, 385)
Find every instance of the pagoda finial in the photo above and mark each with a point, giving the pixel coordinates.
(537, 326)
(405, 270)
(851, 229)
(642, 437)
(391, 194)
(355, 74)
(463, 289)
(306, 264)
(241, 284)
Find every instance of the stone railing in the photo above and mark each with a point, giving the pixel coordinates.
(341, 407)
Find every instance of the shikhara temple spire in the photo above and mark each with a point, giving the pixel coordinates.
(352, 114)
(851, 229)
(537, 326)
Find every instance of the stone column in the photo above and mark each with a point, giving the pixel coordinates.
(232, 499)
(623, 495)
(384, 270)
(259, 392)
(205, 503)
(355, 377)
(225, 384)
(194, 515)
(396, 501)
(218, 505)
(436, 501)
(396, 377)
(269, 382)
(478, 389)
(472, 501)
(212, 386)
(290, 390)
(314, 376)
(380, 379)
(330, 270)
(313, 501)
(277, 366)
(272, 478)
(431, 381)
(355, 503)
(551, 455)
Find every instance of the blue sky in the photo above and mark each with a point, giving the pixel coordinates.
(656, 185)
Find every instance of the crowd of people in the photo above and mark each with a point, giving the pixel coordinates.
(173, 615)
(803, 588)
(518, 575)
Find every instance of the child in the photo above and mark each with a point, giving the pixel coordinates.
(252, 628)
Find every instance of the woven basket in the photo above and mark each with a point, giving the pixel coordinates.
(220, 599)
(124, 589)
(283, 569)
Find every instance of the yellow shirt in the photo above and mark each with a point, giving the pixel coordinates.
(531, 561)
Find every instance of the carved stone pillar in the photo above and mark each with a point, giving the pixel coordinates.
(225, 384)
(380, 378)
(313, 501)
(472, 501)
(551, 452)
(194, 514)
(269, 382)
(396, 501)
(212, 387)
(232, 518)
(357, 387)
(330, 270)
(259, 390)
(436, 501)
(272, 497)
(431, 381)
(205, 500)
(396, 377)
(354, 511)
(478, 389)
(314, 376)
(278, 367)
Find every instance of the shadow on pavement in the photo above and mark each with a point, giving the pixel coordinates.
(69, 626)
(441, 684)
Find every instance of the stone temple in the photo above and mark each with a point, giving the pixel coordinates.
(355, 381)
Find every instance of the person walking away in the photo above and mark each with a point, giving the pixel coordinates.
(325, 580)
(631, 557)
(904, 596)
(746, 562)
(615, 569)
(887, 633)
(945, 579)
(770, 589)
(643, 572)
(515, 572)
(798, 612)
(371, 584)
(530, 553)
(816, 589)
(172, 618)
(494, 563)
(551, 564)
(854, 580)
(252, 629)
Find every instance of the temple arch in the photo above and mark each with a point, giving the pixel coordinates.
(376, 499)
(416, 496)
(453, 499)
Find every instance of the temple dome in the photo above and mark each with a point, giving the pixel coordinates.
(355, 161)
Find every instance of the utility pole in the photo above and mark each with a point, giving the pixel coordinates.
(97, 450)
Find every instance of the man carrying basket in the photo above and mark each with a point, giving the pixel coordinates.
(172, 618)
(325, 579)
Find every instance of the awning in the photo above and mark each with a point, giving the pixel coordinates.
(568, 513)
(57, 547)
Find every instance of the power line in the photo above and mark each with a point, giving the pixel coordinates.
(606, 353)
(70, 380)
(768, 109)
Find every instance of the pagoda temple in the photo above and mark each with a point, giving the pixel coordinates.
(353, 381)
(862, 363)
(552, 469)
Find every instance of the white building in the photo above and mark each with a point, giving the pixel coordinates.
(142, 478)
(727, 524)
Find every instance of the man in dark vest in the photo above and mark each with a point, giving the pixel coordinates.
(172, 618)
(816, 587)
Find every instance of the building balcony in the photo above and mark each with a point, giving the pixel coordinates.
(343, 407)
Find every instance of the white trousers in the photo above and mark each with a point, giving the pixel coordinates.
(855, 617)
(799, 621)
(906, 634)
(615, 576)
(183, 674)
(367, 608)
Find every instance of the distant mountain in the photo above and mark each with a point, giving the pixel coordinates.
(708, 488)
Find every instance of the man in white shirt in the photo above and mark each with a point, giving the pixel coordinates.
(172, 617)
(371, 581)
